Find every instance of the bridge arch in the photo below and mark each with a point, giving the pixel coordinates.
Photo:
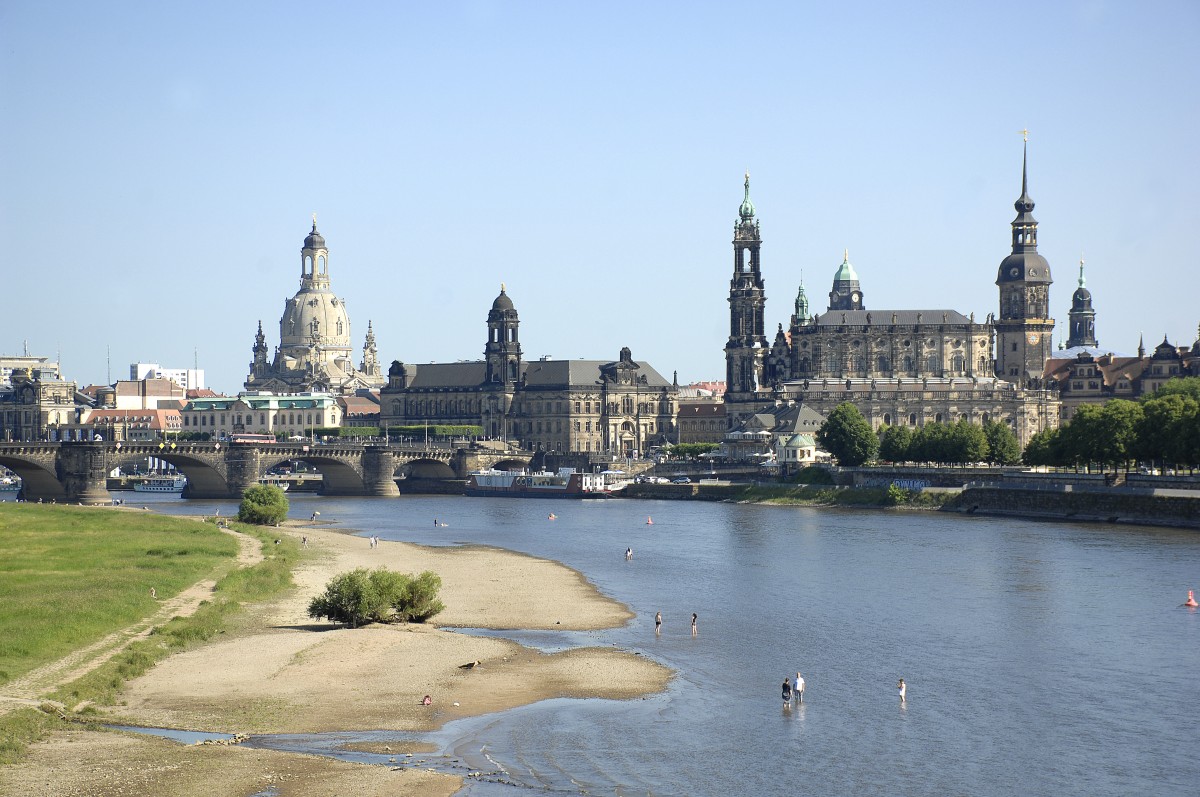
(205, 479)
(338, 476)
(39, 476)
(426, 468)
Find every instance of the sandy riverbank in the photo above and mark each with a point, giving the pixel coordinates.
(289, 673)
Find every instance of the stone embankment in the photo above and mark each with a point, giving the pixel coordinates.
(1107, 506)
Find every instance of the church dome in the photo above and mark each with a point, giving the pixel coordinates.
(1082, 297)
(746, 209)
(1024, 267)
(502, 301)
(314, 240)
(846, 272)
(315, 316)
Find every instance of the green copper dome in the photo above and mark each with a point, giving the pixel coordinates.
(802, 315)
(845, 271)
(746, 211)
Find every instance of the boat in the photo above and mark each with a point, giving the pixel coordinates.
(563, 483)
(161, 484)
(9, 485)
(276, 481)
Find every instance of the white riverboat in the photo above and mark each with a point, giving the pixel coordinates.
(161, 484)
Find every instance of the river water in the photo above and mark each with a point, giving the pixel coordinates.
(1040, 658)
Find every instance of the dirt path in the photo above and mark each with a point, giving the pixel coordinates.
(27, 689)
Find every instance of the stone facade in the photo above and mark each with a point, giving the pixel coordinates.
(701, 421)
(37, 406)
(898, 366)
(314, 354)
(577, 406)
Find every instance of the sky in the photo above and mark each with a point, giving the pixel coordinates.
(160, 164)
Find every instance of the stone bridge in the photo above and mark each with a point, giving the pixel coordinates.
(76, 472)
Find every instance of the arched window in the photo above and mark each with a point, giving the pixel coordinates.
(912, 419)
(957, 364)
(887, 419)
(883, 364)
(908, 362)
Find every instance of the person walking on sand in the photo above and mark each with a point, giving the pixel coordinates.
(153, 593)
(900, 686)
(657, 623)
(798, 687)
(304, 542)
(787, 693)
(693, 624)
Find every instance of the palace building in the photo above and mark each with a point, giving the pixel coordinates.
(314, 354)
(568, 406)
(907, 367)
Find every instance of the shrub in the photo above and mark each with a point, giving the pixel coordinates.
(378, 596)
(263, 505)
(895, 496)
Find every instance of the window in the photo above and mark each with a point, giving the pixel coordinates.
(577, 407)
(1014, 345)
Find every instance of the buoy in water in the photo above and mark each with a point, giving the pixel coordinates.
(1191, 601)
(649, 521)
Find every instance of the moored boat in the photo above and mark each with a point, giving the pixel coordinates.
(563, 483)
(275, 481)
(161, 484)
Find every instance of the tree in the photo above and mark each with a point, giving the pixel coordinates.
(847, 435)
(263, 505)
(895, 443)
(1118, 444)
(378, 596)
(969, 443)
(1043, 448)
(1003, 448)
(1163, 431)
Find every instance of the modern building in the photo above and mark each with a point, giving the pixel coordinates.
(186, 378)
(898, 366)
(578, 406)
(145, 394)
(314, 353)
(290, 415)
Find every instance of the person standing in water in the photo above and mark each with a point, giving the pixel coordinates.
(798, 688)
(628, 554)
(902, 689)
(693, 624)
(657, 623)
(787, 693)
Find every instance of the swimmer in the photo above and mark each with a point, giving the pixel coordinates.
(552, 516)
(1191, 601)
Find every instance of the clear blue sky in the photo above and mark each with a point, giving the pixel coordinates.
(159, 163)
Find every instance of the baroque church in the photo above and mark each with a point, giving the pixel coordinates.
(564, 406)
(314, 354)
(899, 367)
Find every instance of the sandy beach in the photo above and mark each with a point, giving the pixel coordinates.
(289, 674)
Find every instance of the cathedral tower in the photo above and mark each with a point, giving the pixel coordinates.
(503, 349)
(747, 344)
(846, 293)
(1083, 317)
(1023, 328)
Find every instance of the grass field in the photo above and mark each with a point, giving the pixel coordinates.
(71, 575)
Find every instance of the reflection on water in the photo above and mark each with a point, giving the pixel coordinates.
(1040, 658)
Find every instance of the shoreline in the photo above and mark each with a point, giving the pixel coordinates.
(283, 672)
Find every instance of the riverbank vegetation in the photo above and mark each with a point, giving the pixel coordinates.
(364, 596)
(826, 495)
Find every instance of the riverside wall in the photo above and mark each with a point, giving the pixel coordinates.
(1109, 506)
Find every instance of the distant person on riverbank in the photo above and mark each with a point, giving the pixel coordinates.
(693, 624)
(153, 593)
(304, 542)
(427, 701)
(787, 692)
(1191, 601)
(798, 688)
(902, 689)
(657, 623)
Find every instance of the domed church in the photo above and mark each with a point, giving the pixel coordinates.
(314, 352)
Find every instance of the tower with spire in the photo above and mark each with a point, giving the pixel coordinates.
(846, 293)
(1024, 330)
(258, 367)
(370, 360)
(1082, 317)
(747, 345)
(503, 349)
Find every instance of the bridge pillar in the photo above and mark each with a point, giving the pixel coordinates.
(379, 471)
(83, 471)
(243, 468)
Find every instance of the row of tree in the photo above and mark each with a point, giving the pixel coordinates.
(1161, 428)
(848, 436)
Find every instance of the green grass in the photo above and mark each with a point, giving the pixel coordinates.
(71, 575)
(818, 495)
(102, 686)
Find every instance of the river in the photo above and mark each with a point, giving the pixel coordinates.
(1040, 658)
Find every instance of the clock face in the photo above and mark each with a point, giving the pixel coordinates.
(1033, 338)
(1014, 272)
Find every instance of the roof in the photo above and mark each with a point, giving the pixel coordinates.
(555, 373)
(701, 409)
(358, 405)
(784, 419)
(435, 375)
(155, 419)
(883, 318)
(1111, 368)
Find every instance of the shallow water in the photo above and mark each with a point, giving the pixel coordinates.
(1040, 657)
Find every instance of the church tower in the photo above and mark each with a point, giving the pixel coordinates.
(1023, 328)
(370, 361)
(1082, 316)
(258, 368)
(846, 293)
(503, 349)
(747, 344)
